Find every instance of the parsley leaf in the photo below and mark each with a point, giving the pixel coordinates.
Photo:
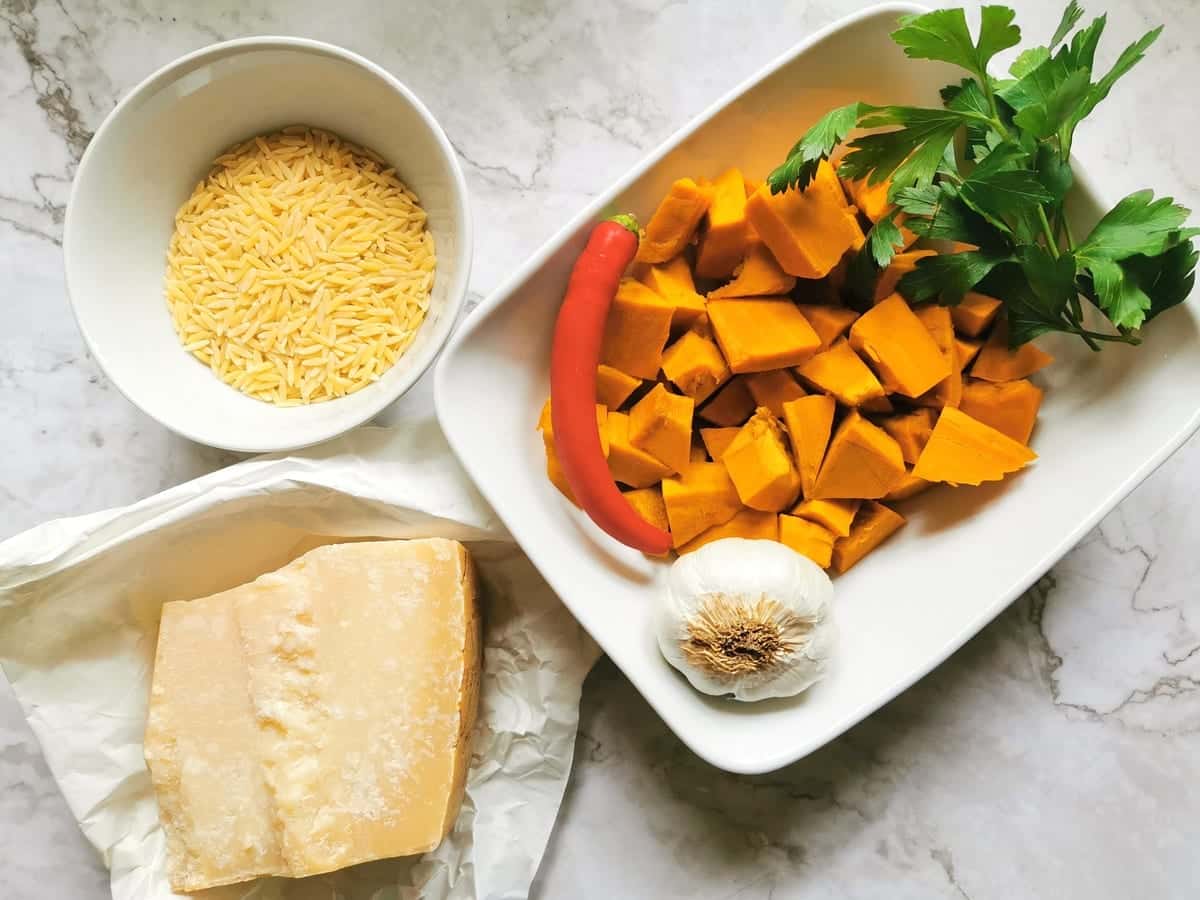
(1030, 313)
(908, 155)
(1071, 15)
(818, 142)
(947, 277)
(1137, 224)
(1122, 299)
(937, 212)
(1130, 57)
(1003, 190)
(883, 239)
(943, 35)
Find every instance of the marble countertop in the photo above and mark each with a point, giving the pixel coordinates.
(1056, 755)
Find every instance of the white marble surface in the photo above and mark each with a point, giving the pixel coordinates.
(1056, 755)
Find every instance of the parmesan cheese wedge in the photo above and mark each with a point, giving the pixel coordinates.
(317, 717)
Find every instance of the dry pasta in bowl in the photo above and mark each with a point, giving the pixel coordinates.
(300, 268)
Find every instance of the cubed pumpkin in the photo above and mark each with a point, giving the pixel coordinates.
(1011, 407)
(758, 275)
(809, 422)
(760, 466)
(649, 505)
(998, 362)
(673, 282)
(863, 462)
(900, 349)
(835, 515)
(948, 391)
(807, 538)
(700, 498)
(901, 265)
(674, 223)
(873, 525)
(829, 322)
(762, 333)
(963, 450)
(807, 231)
(638, 324)
(732, 405)
(717, 440)
(974, 313)
(751, 524)
(661, 424)
(726, 234)
(613, 386)
(840, 372)
(772, 389)
(908, 486)
(695, 365)
(631, 465)
(911, 430)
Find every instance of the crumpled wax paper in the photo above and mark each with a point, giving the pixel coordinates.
(79, 610)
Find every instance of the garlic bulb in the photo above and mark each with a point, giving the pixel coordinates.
(747, 618)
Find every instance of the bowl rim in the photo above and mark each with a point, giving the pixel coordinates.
(804, 745)
(456, 296)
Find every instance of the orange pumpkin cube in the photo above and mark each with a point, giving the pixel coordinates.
(751, 524)
(636, 330)
(723, 242)
(809, 422)
(908, 486)
(899, 347)
(963, 450)
(698, 499)
(732, 405)
(807, 538)
(911, 431)
(762, 333)
(807, 231)
(1011, 407)
(974, 313)
(948, 391)
(631, 465)
(997, 362)
(760, 466)
(613, 386)
(673, 282)
(717, 440)
(661, 424)
(759, 275)
(863, 462)
(829, 322)
(649, 505)
(840, 371)
(873, 525)
(835, 515)
(671, 227)
(695, 365)
(772, 389)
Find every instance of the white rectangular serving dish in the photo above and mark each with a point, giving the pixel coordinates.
(1108, 420)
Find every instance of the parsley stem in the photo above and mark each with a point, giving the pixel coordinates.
(1051, 243)
(1112, 338)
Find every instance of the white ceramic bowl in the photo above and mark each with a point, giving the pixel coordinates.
(145, 160)
(1107, 421)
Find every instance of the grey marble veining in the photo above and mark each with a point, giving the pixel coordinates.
(1056, 755)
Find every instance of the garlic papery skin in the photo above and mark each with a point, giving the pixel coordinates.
(747, 618)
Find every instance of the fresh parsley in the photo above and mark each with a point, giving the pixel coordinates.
(1001, 188)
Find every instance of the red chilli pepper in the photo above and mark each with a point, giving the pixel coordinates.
(578, 334)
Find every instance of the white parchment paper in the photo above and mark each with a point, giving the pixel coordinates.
(79, 610)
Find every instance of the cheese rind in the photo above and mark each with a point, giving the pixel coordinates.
(348, 689)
